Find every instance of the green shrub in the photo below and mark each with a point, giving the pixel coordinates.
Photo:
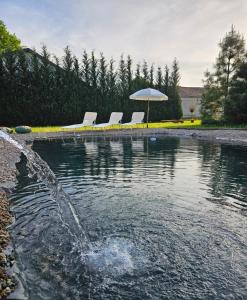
(23, 129)
(212, 122)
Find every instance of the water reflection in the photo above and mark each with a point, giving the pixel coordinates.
(227, 166)
(110, 157)
(155, 218)
(222, 167)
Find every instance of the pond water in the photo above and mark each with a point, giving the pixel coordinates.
(160, 218)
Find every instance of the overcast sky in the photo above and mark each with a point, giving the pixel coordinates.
(155, 30)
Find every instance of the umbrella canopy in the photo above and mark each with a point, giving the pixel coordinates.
(148, 95)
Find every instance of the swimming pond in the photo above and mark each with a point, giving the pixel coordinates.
(151, 218)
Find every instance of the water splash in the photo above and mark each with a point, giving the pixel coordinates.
(113, 257)
(7, 138)
(39, 168)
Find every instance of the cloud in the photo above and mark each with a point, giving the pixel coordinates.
(155, 30)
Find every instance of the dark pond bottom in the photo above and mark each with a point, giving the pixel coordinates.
(152, 219)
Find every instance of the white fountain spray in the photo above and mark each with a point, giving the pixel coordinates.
(7, 138)
(39, 168)
(114, 257)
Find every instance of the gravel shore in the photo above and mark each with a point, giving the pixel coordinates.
(7, 282)
(9, 156)
(233, 136)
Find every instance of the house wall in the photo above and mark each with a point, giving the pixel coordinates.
(187, 103)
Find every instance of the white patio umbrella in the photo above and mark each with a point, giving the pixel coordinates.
(148, 95)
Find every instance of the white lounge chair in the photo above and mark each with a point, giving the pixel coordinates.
(89, 120)
(137, 118)
(115, 119)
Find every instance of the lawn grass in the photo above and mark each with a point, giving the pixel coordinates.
(185, 124)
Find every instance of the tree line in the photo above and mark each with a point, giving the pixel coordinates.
(40, 89)
(225, 88)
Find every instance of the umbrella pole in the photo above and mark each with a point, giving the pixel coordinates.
(148, 114)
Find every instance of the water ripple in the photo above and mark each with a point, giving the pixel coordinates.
(162, 220)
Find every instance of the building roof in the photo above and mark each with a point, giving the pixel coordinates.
(40, 57)
(190, 92)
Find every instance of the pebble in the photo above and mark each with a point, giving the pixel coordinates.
(7, 283)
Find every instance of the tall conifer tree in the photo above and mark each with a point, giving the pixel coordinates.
(151, 75)
(93, 80)
(175, 100)
(123, 84)
(145, 71)
(159, 79)
(112, 88)
(236, 102)
(232, 54)
(85, 68)
(129, 74)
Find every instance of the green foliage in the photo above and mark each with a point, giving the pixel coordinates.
(231, 55)
(8, 41)
(38, 89)
(145, 71)
(86, 68)
(23, 129)
(211, 99)
(236, 102)
(173, 93)
(129, 74)
(151, 76)
(112, 88)
(166, 80)
(102, 86)
(159, 82)
(138, 72)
